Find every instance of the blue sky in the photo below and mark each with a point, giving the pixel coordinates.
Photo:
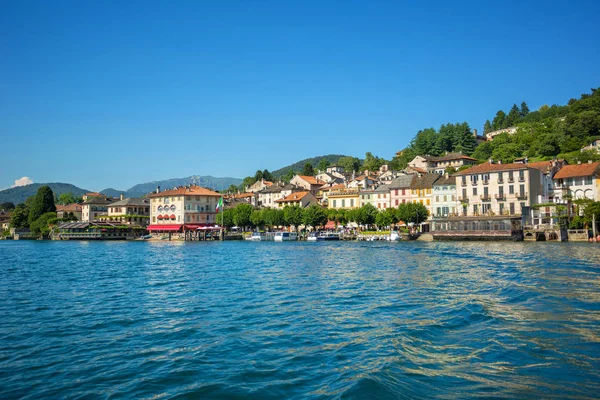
(105, 94)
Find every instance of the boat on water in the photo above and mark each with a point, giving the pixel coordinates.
(394, 236)
(257, 236)
(312, 236)
(285, 236)
(326, 236)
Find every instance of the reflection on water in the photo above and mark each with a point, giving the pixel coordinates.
(299, 319)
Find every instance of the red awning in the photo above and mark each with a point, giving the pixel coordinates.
(159, 217)
(164, 227)
(330, 225)
(172, 216)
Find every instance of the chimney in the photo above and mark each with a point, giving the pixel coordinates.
(499, 161)
(121, 196)
(589, 161)
(158, 189)
(491, 160)
(474, 132)
(525, 160)
(578, 162)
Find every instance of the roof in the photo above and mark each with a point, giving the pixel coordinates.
(403, 181)
(425, 181)
(571, 171)
(192, 190)
(92, 194)
(97, 200)
(382, 189)
(68, 208)
(450, 180)
(311, 179)
(133, 201)
(487, 167)
(452, 156)
(293, 197)
(338, 186)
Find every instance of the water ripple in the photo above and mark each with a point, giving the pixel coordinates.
(298, 320)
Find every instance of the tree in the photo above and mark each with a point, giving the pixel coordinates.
(499, 121)
(293, 215)
(366, 215)
(232, 188)
(226, 218)
(256, 218)
(591, 212)
(273, 217)
(289, 176)
(412, 213)
(258, 175)
(524, 110)
(424, 142)
(314, 216)
(266, 175)
(487, 127)
(323, 164)
(513, 116)
(386, 217)
(241, 215)
(308, 169)
(19, 217)
(66, 198)
(371, 163)
(349, 163)
(42, 203)
(41, 225)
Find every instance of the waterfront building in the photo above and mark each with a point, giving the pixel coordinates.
(445, 203)
(323, 192)
(4, 220)
(309, 183)
(343, 198)
(367, 196)
(381, 196)
(182, 208)
(421, 190)
(301, 199)
(129, 211)
(400, 192)
(74, 210)
(94, 207)
(504, 189)
(578, 181)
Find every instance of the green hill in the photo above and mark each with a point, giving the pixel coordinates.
(314, 161)
(19, 194)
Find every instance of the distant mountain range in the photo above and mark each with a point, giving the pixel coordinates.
(20, 194)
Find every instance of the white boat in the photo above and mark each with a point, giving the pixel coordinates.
(394, 236)
(257, 236)
(328, 236)
(285, 236)
(312, 236)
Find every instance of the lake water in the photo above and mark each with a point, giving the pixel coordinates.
(299, 320)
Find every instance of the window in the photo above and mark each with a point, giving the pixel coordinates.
(396, 201)
(403, 192)
(512, 208)
(522, 208)
(464, 194)
(439, 211)
(501, 190)
(351, 202)
(437, 198)
(485, 192)
(522, 189)
(428, 202)
(334, 204)
(475, 209)
(445, 198)
(511, 189)
(588, 180)
(485, 208)
(343, 202)
(474, 191)
(501, 205)
(397, 192)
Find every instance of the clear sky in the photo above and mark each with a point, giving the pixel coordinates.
(114, 93)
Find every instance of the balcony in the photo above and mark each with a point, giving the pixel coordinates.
(485, 197)
(463, 199)
(485, 182)
(500, 180)
(500, 196)
(522, 195)
(521, 179)
(511, 180)
(463, 184)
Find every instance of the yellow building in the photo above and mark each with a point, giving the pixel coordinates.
(345, 198)
(422, 190)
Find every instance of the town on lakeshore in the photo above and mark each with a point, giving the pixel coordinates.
(451, 184)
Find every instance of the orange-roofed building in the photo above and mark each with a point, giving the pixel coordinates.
(309, 183)
(89, 195)
(579, 181)
(184, 207)
(301, 199)
(68, 210)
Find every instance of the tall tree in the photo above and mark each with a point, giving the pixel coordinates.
(323, 164)
(66, 198)
(524, 110)
(293, 216)
(412, 213)
(241, 215)
(314, 216)
(19, 217)
(258, 175)
(42, 203)
(499, 120)
(487, 127)
(349, 163)
(266, 175)
(7, 206)
(308, 169)
(513, 116)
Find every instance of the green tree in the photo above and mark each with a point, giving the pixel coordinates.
(256, 218)
(349, 163)
(241, 215)
(266, 175)
(386, 217)
(258, 175)
(308, 169)
(42, 203)
(293, 216)
(19, 217)
(366, 215)
(226, 218)
(273, 217)
(7, 206)
(524, 110)
(314, 216)
(41, 226)
(499, 121)
(513, 116)
(371, 163)
(591, 212)
(232, 188)
(424, 142)
(323, 164)
(289, 176)
(412, 213)
(66, 198)
(487, 127)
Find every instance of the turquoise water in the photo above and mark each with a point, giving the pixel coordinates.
(299, 320)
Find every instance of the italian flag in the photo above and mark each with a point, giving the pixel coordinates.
(219, 204)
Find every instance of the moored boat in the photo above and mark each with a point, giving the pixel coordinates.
(285, 236)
